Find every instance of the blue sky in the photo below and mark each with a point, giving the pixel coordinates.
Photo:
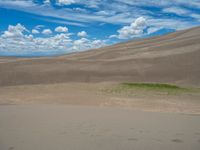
(52, 27)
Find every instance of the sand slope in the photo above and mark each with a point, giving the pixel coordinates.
(172, 58)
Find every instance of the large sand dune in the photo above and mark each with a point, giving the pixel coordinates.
(173, 58)
(81, 78)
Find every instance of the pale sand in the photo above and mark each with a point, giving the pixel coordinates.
(55, 127)
(97, 94)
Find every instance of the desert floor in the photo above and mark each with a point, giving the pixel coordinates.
(51, 127)
(102, 95)
(83, 116)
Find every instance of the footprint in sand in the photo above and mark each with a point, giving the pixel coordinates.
(177, 141)
(11, 148)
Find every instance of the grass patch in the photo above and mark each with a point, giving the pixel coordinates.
(130, 88)
(152, 86)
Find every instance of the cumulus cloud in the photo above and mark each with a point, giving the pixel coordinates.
(15, 31)
(47, 31)
(84, 44)
(18, 41)
(61, 29)
(82, 34)
(135, 29)
(35, 31)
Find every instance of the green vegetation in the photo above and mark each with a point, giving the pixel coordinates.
(130, 88)
(152, 86)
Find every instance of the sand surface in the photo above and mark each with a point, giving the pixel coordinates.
(98, 94)
(55, 127)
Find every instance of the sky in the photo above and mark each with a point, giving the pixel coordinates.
(55, 27)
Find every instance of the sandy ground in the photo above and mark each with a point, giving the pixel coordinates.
(98, 94)
(84, 116)
(55, 127)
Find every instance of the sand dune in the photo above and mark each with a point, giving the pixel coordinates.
(80, 78)
(173, 58)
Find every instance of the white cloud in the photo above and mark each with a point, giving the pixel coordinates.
(14, 31)
(82, 34)
(47, 31)
(170, 23)
(153, 29)
(196, 16)
(65, 2)
(105, 13)
(176, 10)
(38, 27)
(80, 10)
(35, 31)
(61, 29)
(98, 43)
(113, 36)
(162, 3)
(135, 29)
(47, 2)
(117, 12)
(25, 43)
(84, 44)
